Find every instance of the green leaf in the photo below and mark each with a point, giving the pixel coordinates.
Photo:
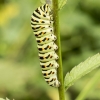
(62, 3)
(80, 70)
(46, 1)
(43, 1)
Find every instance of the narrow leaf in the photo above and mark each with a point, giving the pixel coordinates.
(43, 1)
(62, 3)
(90, 85)
(46, 1)
(80, 70)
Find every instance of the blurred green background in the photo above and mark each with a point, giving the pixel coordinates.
(20, 73)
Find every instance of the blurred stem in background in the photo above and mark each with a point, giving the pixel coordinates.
(57, 33)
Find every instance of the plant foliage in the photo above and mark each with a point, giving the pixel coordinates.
(82, 69)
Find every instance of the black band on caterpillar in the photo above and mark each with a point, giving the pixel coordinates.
(42, 25)
(39, 27)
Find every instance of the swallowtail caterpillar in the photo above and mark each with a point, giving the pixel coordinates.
(42, 25)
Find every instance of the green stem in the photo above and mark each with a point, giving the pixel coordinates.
(57, 33)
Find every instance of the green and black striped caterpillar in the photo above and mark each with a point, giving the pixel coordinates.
(42, 25)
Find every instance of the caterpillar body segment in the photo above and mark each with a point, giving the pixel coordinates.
(52, 81)
(46, 39)
(49, 65)
(47, 47)
(42, 33)
(44, 57)
(35, 20)
(49, 72)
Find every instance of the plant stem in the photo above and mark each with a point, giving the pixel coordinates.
(57, 33)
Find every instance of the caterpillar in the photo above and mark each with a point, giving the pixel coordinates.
(42, 25)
